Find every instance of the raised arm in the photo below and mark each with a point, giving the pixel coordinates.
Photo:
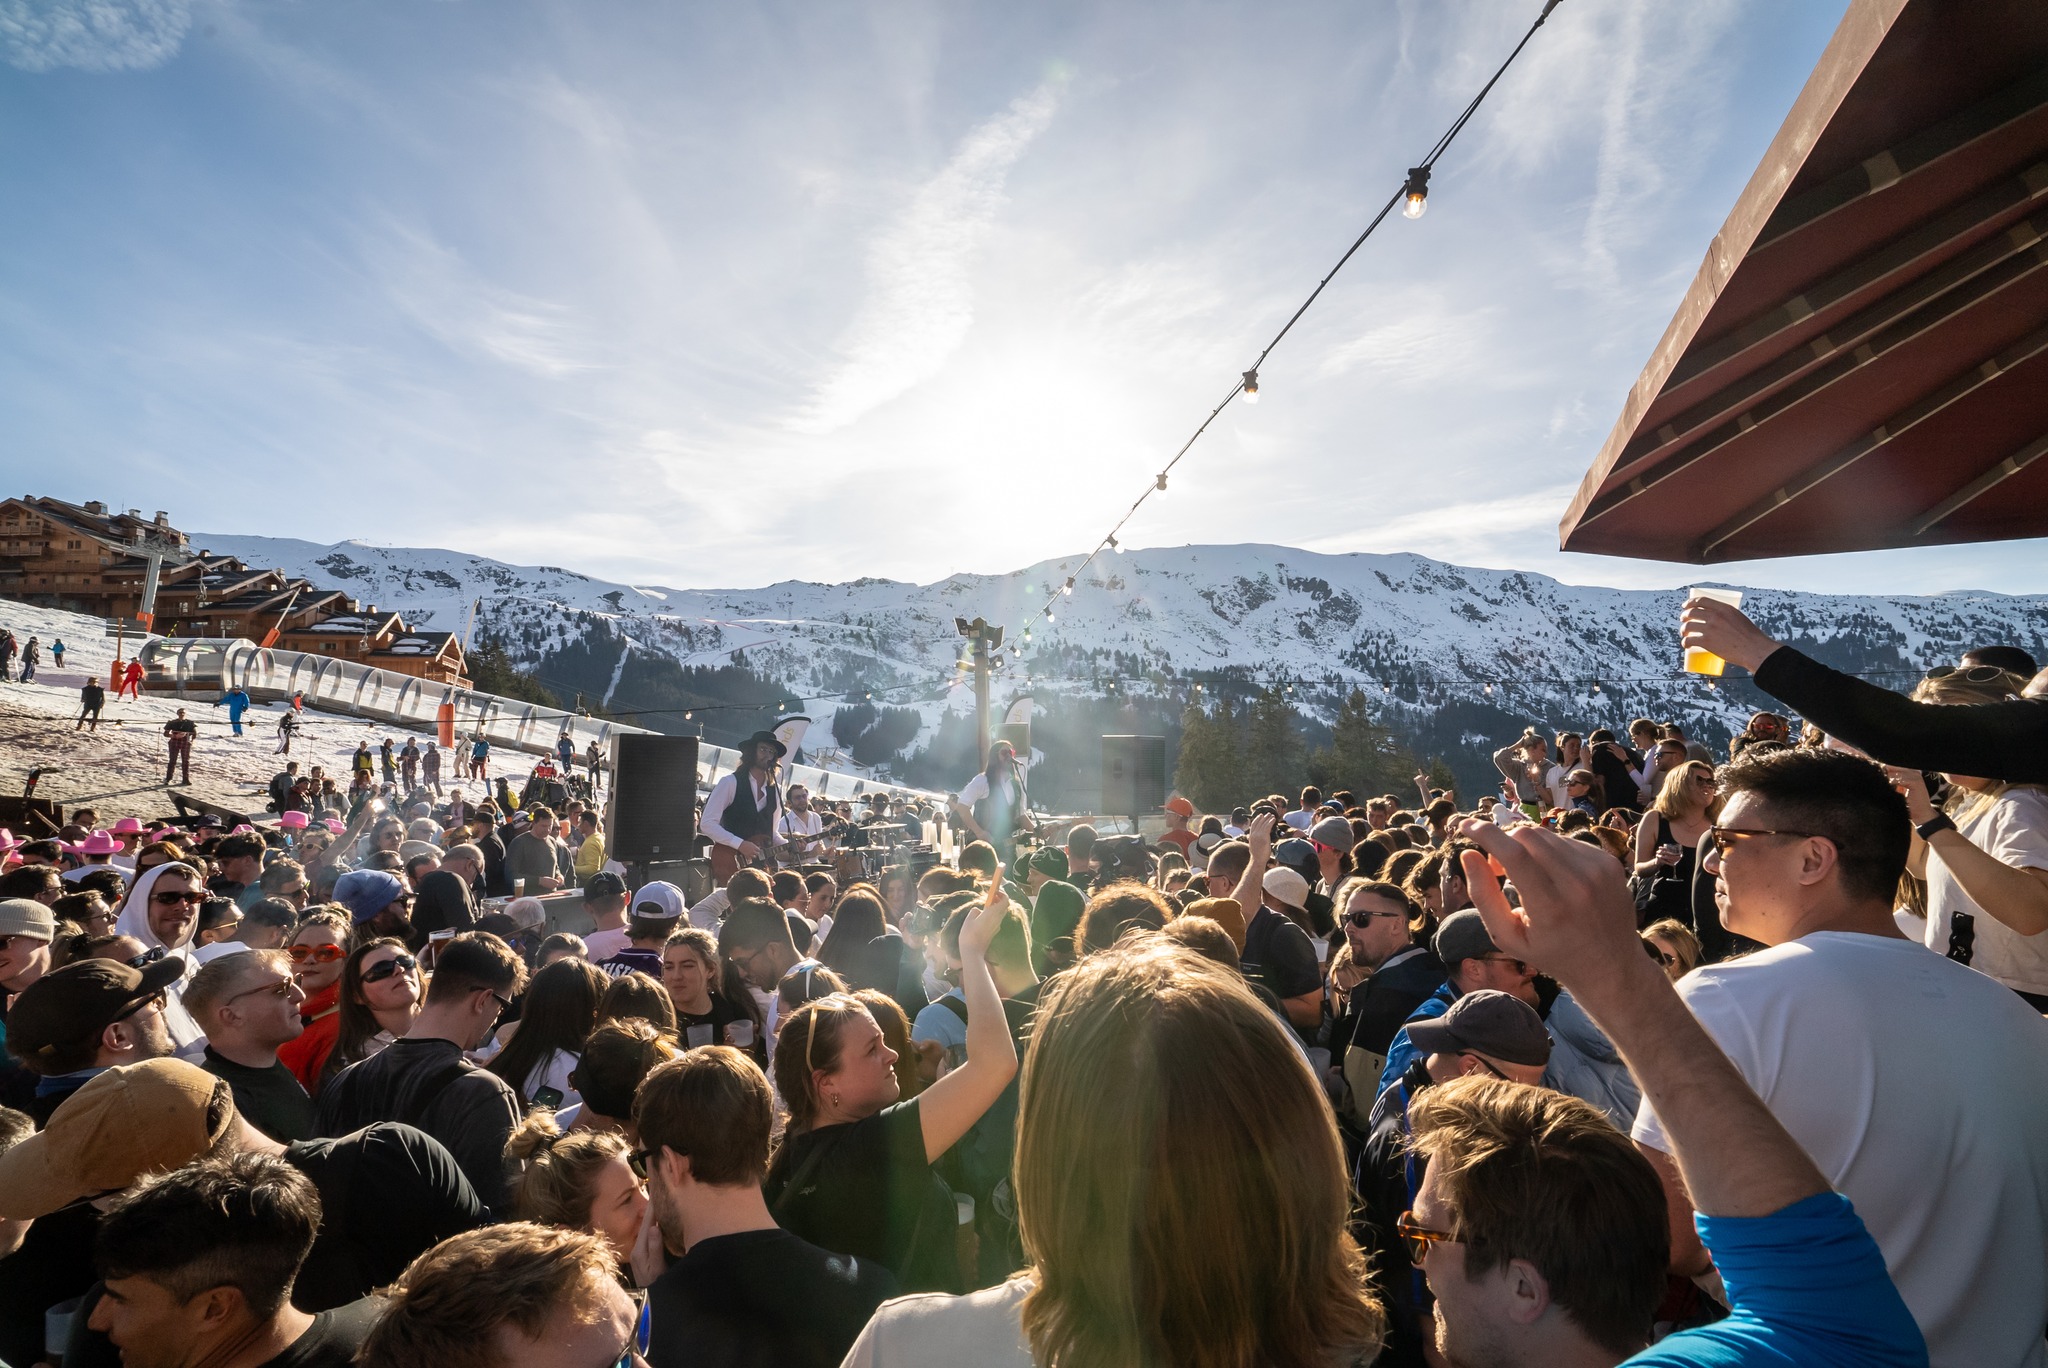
(1995, 740)
(1251, 885)
(948, 1107)
(1576, 920)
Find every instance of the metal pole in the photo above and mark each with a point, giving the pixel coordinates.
(981, 690)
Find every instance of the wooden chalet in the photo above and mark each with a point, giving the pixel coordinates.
(82, 558)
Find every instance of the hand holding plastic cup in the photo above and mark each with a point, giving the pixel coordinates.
(1704, 662)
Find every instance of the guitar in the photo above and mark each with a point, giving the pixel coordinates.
(726, 862)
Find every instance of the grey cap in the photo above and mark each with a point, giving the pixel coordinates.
(1498, 1025)
(1334, 832)
(1462, 936)
(26, 917)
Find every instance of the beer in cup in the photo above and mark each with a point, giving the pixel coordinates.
(1702, 662)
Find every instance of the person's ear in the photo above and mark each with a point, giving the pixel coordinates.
(674, 1168)
(216, 1307)
(1527, 1292)
(1817, 860)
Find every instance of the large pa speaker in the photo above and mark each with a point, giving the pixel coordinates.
(1133, 775)
(654, 798)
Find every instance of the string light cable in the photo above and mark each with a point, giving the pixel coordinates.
(1413, 198)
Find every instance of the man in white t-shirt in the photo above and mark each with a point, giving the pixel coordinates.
(1919, 1087)
(801, 827)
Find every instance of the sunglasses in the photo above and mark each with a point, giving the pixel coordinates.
(638, 1160)
(147, 957)
(399, 964)
(1725, 838)
(1417, 1238)
(1520, 966)
(316, 954)
(1667, 960)
(282, 988)
(155, 999)
(168, 899)
(1361, 920)
(1975, 674)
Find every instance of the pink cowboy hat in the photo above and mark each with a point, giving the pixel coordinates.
(9, 842)
(128, 826)
(99, 843)
(163, 833)
(336, 825)
(293, 821)
(240, 828)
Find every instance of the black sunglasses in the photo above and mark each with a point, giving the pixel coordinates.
(147, 957)
(384, 969)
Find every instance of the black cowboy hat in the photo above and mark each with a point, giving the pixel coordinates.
(765, 738)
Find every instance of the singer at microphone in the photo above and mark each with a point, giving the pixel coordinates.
(991, 807)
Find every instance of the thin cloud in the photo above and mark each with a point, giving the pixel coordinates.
(92, 35)
(1457, 530)
(446, 297)
(920, 300)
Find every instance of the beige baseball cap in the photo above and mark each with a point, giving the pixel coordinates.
(129, 1121)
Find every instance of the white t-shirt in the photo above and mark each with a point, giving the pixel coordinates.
(1920, 1088)
(553, 1072)
(933, 1330)
(2013, 830)
(602, 945)
(1555, 779)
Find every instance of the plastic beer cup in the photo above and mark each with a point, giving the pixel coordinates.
(1702, 662)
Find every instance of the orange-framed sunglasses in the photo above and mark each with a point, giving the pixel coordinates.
(1417, 1238)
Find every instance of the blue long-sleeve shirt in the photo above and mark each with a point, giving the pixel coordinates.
(1809, 1288)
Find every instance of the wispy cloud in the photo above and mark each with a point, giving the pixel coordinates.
(1428, 342)
(1456, 530)
(92, 35)
(920, 298)
(453, 302)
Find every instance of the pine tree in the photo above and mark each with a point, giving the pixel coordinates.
(1207, 771)
(1274, 758)
(1364, 756)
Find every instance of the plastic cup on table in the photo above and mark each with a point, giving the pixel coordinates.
(1701, 662)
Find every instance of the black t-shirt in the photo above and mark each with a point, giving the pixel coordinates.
(331, 1341)
(1278, 954)
(872, 1194)
(271, 1099)
(181, 726)
(762, 1299)
(388, 1193)
(428, 1083)
(443, 904)
(54, 1264)
(709, 1027)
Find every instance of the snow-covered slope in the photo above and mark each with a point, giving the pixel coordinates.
(1415, 633)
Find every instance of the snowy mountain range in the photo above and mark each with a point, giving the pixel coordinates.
(1453, 659)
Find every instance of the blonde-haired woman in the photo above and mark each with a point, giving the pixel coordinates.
(1180, 1189)
(1667, 844)
(1984, 854)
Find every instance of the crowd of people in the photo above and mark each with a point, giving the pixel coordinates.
(1654, 1055)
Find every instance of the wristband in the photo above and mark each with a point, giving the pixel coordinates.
(1935, 825)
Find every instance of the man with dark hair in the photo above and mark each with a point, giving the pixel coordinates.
(618, 1054)
(531, 861)
(1918, 1086)
(2011, 659)
(241, 867)
(744, 1290)
(756, 940)
(604, 902)
(199, 1266)
(285, 880)
(483, 834)
(425, 1078)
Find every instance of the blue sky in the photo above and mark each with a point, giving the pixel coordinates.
(716, 295)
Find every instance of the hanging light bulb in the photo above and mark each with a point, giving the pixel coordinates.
(1489, 688)
(1251, 386)
(1415, 198)
(1113, 546)
(688, 716)
(1160, 483)
(1386, 688)
(1068, 587)
(1048, 615)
